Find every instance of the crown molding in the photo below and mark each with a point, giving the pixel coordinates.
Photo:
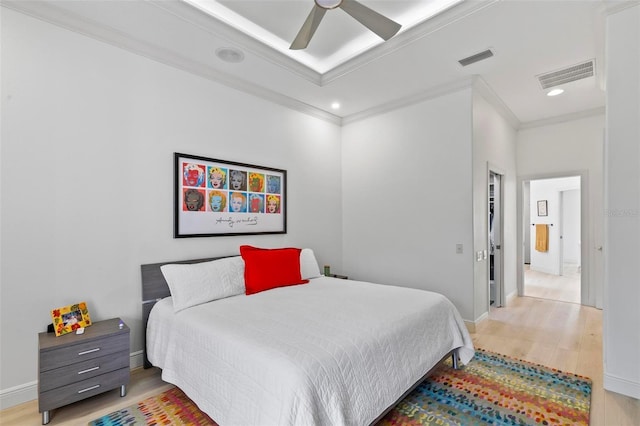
(47, 12)
(475, 82)
(191, 14)
(443, 19)
(564, 118)
(615, 6)
(194, 16)
(490, 96)
(409, 100)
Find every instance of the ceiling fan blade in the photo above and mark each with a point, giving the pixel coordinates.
(379, 24)
(308, 28)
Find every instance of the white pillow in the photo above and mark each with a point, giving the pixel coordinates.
(308, 264)
(197, 283)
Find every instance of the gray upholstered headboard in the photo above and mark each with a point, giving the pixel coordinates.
(154, 288)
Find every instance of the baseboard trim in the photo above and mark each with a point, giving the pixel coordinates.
(621, 386)
(18, 394)
(136, 359)
(471, 325)
(29, 391)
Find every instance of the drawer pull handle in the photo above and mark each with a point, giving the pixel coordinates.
(89, 351)
(88, 389)
(88, 370)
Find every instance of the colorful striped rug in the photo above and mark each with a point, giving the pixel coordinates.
(492, 389)
(171, 407)
(498, 390)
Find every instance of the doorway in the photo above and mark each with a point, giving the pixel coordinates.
(496, 289)
(553, 252)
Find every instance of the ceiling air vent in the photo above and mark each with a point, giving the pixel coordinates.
(567, 75)
(475, 58)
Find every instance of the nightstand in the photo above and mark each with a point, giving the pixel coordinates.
(73, 366)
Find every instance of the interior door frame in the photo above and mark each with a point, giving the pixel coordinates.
(587, 292)
(497, 272)
(561, 232)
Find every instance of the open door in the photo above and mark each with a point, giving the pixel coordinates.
(496, 296)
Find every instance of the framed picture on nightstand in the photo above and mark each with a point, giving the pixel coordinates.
(70, 318)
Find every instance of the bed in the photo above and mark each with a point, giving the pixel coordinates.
(329, 352)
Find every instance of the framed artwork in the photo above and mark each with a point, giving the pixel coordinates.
(220, 198)
(70, 318)
(542, 208)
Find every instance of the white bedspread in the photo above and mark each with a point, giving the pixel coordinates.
(331, 352)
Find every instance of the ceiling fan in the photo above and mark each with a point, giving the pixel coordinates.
(381, 25)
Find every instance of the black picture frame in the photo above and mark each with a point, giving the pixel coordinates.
(542, 208)
(215, 197)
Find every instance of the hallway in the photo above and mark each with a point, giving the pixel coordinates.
(563, 288)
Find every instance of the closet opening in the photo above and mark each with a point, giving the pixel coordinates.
(496, 285)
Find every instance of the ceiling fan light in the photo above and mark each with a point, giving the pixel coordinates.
(328, 4)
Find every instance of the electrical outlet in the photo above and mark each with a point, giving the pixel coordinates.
(459, 248)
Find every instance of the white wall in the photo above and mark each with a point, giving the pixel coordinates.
(493, 148)
(564, 149)
(526, 219)
(407, 198)
(88, 135)
(622, 249)
(571, 226)
(417, 176)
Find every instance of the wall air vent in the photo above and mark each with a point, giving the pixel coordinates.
(475, 58)
(567, 75)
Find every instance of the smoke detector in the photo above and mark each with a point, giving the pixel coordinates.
(230, 54)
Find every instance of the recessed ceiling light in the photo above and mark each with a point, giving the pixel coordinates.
(335, 105)
(555, 92)
(230, 54)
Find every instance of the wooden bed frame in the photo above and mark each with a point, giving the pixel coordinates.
(155, 288)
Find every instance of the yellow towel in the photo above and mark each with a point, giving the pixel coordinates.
(542, 237)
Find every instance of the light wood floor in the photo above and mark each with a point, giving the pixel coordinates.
(566, 336)
(563, 335)
(565, 287)
(143, 384)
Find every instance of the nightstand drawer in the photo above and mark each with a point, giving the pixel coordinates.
(76, 391)
(57, 377)
(83, 351)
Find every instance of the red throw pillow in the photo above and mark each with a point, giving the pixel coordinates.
(265, 269)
